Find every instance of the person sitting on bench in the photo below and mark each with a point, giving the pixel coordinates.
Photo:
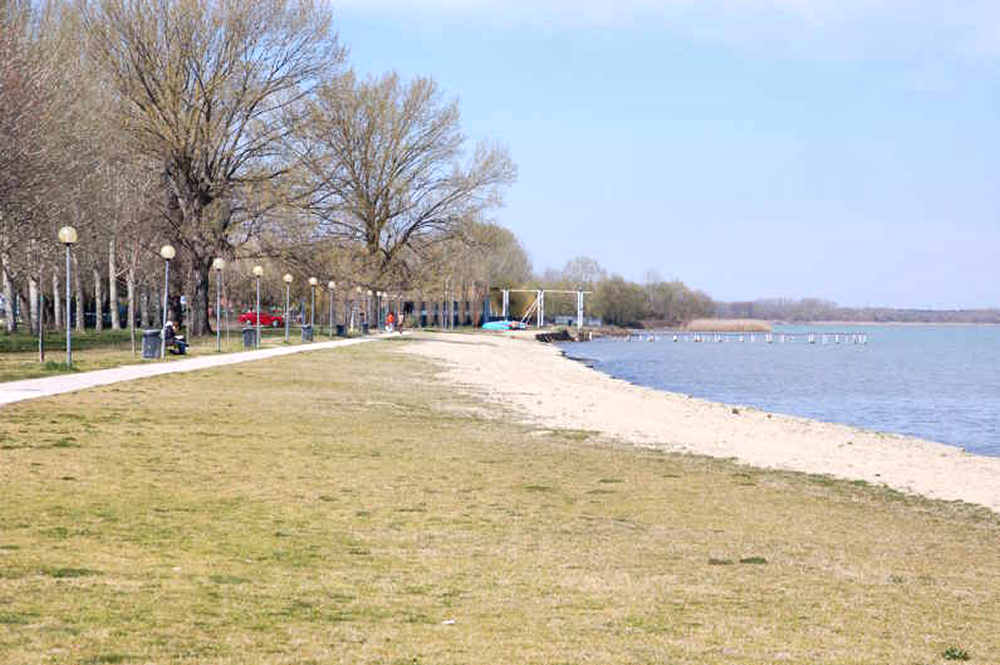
(176, 343)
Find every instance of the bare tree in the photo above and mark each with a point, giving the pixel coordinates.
(40, 159)
(583, 272)
(24, 173)
(25, 91)
(209, 90)
(382, 165)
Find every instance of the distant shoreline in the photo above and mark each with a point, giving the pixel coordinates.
(885, 323)
(726, 325)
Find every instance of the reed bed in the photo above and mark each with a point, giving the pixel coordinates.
(728, 325)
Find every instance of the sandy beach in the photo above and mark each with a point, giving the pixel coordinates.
(537, 383)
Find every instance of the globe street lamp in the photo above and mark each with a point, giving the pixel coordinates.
(167, 252)
(312, 315)
(67, 236)
(288, 288)
(218, 263)
(257, 272)
(331, 285)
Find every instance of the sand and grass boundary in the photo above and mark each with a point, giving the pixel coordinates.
(351, 505)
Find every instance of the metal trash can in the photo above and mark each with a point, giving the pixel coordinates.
(307, 333)
(150, 343)
(341, 331)
(364, 328)
(249, 338)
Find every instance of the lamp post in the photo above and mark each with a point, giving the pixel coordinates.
(257, 272)
(218, 263)
(331, 285)
(167, 252)
(312, 315)
(288, 289)
(67, 236)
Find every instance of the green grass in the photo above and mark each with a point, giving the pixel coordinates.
(110, 348)
(23, 342)
(956, 653)
(341, 506)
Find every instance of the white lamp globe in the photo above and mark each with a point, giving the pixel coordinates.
(168, 252)
(258, 271)
(67, 235)
(288, 278)
(218, 263)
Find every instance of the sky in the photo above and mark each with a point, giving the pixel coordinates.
(840, 149)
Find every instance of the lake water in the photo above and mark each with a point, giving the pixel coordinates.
(935, 382)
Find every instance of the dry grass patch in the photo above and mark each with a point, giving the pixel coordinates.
(341, 506)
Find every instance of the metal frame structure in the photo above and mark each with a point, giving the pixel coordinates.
(538, 306)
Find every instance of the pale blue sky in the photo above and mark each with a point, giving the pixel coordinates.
(755, 148)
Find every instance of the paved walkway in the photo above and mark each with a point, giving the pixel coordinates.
(17, 391)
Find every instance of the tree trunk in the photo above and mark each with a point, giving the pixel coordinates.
(33, 304)
(41, 322)
(57, 303)
(130, 289)
(98, 299)
(78, 288)
(200, 311)
(9, 299)
(157, 308)
(113, 285)
(147, 308)
(22, 305)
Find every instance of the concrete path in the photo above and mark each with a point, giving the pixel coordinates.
(17, 391)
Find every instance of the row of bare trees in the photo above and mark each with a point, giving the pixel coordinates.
(618, 301)
(234, 130)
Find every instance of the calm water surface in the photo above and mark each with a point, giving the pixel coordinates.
(935, 382)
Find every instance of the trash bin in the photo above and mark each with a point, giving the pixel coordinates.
(307, 333)
(341, 332)
(364, 328)
(150, 343)
(249, 338)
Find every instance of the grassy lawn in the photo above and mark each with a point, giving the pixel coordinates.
(111, 348)
(341, 507)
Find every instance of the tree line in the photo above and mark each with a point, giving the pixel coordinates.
(817, 309)
(617, 301)
(232, 130)
(238, 130)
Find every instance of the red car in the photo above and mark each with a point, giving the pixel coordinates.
(273, 320)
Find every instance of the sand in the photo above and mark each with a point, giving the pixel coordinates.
(537, 383)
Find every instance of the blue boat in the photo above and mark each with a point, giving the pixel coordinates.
(504, 325)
